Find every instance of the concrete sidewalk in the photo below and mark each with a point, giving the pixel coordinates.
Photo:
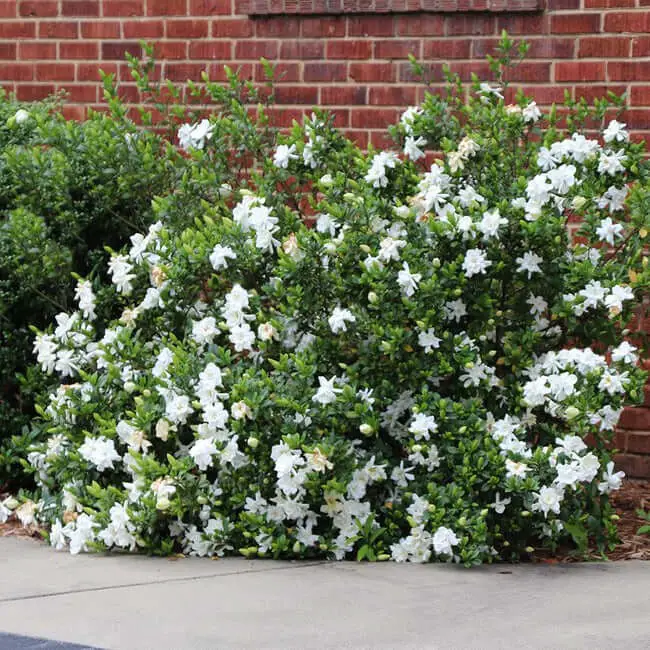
(141, 603)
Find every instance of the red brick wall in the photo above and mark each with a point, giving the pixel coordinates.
(354, 63)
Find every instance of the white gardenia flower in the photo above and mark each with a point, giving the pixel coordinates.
(84, 294)
(219, 256)
(194, 136)
(608, 231)
(382, 161)
(283, 155)
(389, 249)
(326, 393)
(100, 452)
(339, 318)
(499, 505)
(428, 340)
(487, 89)
(412, 147)
(593, 293)
(422, 426)
(615, 132)
(516, 469)
(178, 408)
(611, 481)
(202, 452)
(475, 262)
(408, 116)
(613, 382)
(535, 391)
(443, 541)
(204, 330)
(455, 309)
(402, 475)
(119, 268)
(549, 499)
(625, 353)
(529, 263)
(614, 198)
(490, 224)
(531, 113)
(619, 294)
(408, 281)
(242, 337)
(611, 162)
(266, 332)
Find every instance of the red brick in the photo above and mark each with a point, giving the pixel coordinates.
(8, 51)
(283, 27)
(325, 72)
(640, 96)
(591, 92)
(550, 48)
(432, 72)
(232, 28)
(641, 46)
(166, 7)
(637, 119)
(104, 29)
(143, 29)
(284, 73)
(38, 8)
(381, 140)
(90, 71)
(171, 50)
(79, 50)
(628, 22)
(8, 9)
(323, 27)
(54, 72)
(17, 71)
(601, 48)
(638, 442)
(420, 25)
(284, 117)
(474, 25)
(377, 118)
(545, 95)
(118, 50)
(33, 92)
(608, 4)
(187, 28)
(82, 94)
(217, 71)
(447, 49)
(379, 72)
(634, 465)
(526, 24)
(123, 8)
(184, 71)
(19, 29)
(635, 418)
(36, 50)
(392, 96)
(629, 70)
(296, 95)
(583, 71)
(80, 8)
(397, 49)
(302, 50)
(360, 138)
(210, 7)
(349, 49)
(211, 50)
(48, 29)
(530, 71)
(77, 113)
(579, 23)
(256, 49)
(343, 95)
(555, 5)
(365, 26)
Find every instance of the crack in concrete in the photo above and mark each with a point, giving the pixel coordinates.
(69, 592)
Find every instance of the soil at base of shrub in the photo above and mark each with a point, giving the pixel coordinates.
(634, 495)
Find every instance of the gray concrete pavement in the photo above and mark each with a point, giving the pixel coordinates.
(145, 603)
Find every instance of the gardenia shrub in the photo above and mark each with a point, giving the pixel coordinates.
(413, 374)
(67, 190)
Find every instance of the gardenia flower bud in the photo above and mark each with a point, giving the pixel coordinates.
(129, 386)
(21, 116)
(162, 430)
(366, 429)
(571, 413)
(326, 180)
(253, 442)
(578, 202)
(372, 297)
